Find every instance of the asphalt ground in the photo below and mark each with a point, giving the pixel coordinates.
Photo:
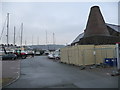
(10, 71)
(10, 68)
(41, 72)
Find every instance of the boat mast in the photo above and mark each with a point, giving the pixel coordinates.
(14, 36)
(53, 38)
(7, 28)
(38, 40)
(46, 38)
(25, 43)
(21, 34)
(32, 39)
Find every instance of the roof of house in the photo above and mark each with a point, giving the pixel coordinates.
(114, 27)
(78, 38)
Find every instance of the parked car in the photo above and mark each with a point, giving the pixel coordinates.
(6, 56)
(20, 54)
(54, 55)
(9, 56)
(23, 54)
(37, 53)
(30, 53)
(47, 52)
(51, 56)
(57, 54)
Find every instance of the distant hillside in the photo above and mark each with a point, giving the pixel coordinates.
(47, 47)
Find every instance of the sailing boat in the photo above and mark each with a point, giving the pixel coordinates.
(7, 35)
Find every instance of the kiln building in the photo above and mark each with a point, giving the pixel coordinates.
(97, 31)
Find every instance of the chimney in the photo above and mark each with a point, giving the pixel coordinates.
(96, 24)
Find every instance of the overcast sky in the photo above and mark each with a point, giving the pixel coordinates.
(66, 19)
